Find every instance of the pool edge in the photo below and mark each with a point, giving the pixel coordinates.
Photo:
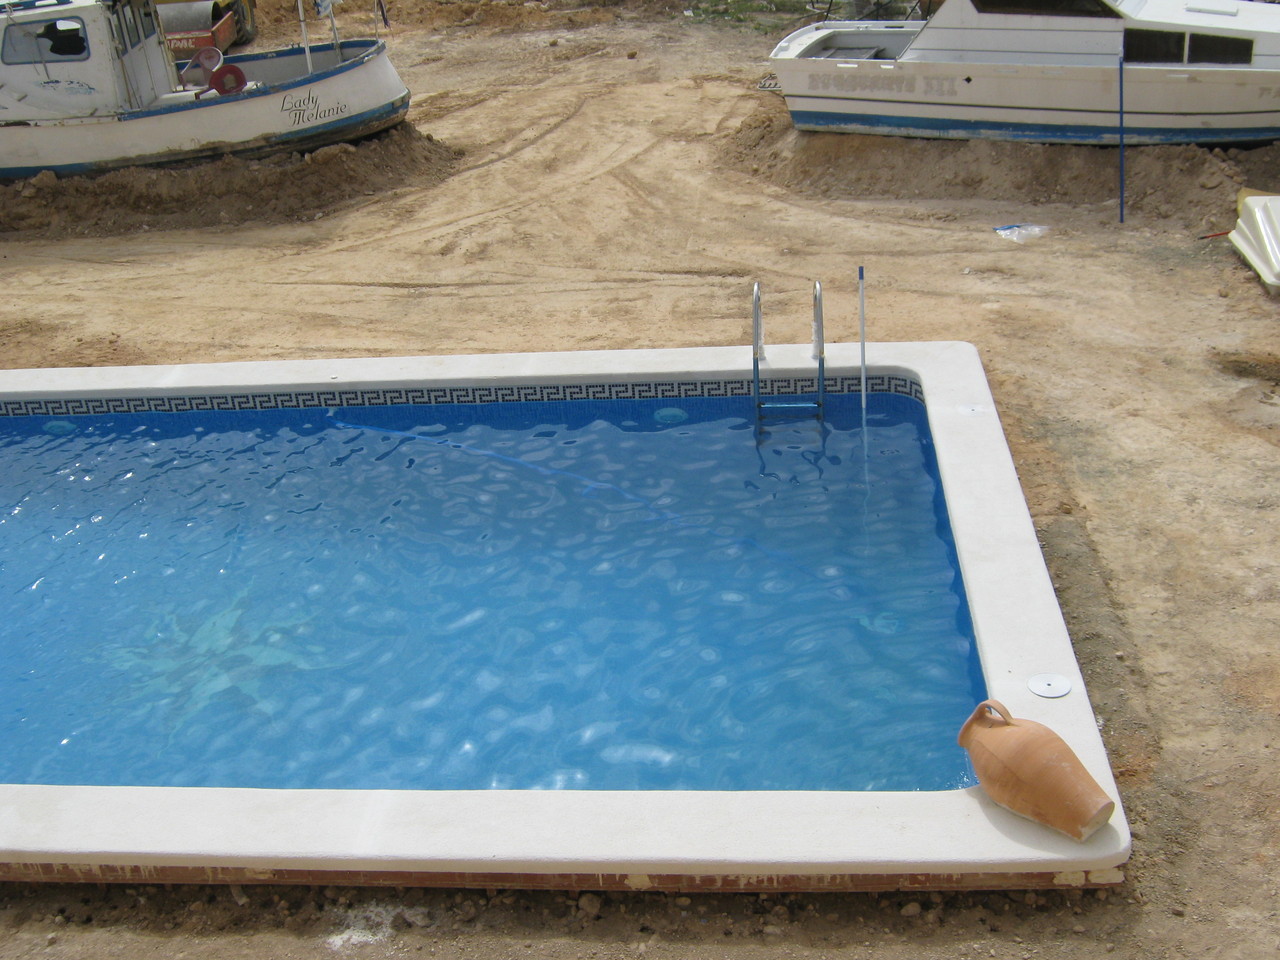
(857, 837)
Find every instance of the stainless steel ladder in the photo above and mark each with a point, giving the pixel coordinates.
(778, 408)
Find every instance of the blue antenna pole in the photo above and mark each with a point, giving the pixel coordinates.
(862, 387)
(1122, 138)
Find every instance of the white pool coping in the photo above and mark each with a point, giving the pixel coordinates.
(633, 834)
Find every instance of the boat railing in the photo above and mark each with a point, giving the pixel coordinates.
(860, 41)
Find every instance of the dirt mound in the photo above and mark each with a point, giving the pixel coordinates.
(1189, 187)
(497, 13)
(278, 19)
(228, 191)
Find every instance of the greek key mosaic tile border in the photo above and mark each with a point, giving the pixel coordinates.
(511, 393)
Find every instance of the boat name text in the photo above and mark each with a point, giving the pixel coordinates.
(940, 87)
(308, 109)
(883, 83)
(853, 82)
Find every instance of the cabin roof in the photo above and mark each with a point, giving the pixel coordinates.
(1221, 15)
(47, 7)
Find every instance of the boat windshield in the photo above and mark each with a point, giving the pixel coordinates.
(1047, 8)
(1170, 46)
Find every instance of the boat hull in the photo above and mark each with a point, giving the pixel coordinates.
(1041, 103)
(286, 107)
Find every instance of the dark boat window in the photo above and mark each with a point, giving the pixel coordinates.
(1206, 48)
(66, 39)
(1154, 46)
(130, 26)
(117, 35)
(1047, 8)
(47, 42)
(146, 16)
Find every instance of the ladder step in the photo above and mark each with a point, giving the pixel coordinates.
(784, 411)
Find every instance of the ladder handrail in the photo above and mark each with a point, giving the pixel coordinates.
(757, 343)
(757, 354)
(819, 345)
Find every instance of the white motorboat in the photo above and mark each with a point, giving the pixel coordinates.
(1047, 71)
(89, 85)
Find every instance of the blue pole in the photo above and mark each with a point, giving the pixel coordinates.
(862, 387)
(757, 344)
(1122, 138)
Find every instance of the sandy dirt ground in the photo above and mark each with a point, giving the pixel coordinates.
(605, 178)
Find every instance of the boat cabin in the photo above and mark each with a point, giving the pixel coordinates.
(1229, 33)
(62, 59)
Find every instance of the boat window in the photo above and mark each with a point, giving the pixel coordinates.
(46, 41)
(1047, 8)
(1206, 48)
(1154, 46)
(117, 34)
(131, 25)
(146, 14)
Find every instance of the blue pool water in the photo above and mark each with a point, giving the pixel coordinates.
(592, 595)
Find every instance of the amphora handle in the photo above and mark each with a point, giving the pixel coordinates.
(981, 716)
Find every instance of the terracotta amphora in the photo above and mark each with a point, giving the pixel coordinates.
(1028, 769)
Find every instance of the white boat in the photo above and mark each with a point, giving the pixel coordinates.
(1047, 71)
(88, 86)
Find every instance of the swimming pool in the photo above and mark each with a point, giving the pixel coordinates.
(613, 594)
(809, 831)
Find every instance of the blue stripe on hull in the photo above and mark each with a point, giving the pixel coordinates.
(349, 128)
(1030, 132)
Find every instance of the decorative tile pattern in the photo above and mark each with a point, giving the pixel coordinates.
(508, 393)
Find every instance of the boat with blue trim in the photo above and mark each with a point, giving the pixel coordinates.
(1046, 71)
(89, 85)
